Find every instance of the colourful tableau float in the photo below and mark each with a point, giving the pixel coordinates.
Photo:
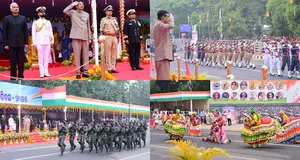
(290, 129)
(194, 123)
(175, 126)
(258, 131)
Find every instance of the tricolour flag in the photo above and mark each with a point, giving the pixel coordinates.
(55, 96)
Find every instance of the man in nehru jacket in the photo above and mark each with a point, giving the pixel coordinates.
(42, 39)
(133, 37)
(15, 40)
(80, 35)
(109, 27)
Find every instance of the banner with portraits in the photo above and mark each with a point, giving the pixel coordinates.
(248, 91)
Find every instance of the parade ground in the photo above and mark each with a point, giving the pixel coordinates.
(221, 73)
(50, 151)
(237, 149)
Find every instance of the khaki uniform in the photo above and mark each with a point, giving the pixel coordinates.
(109, 27)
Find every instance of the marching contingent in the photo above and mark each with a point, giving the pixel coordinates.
(277, 54)
(105, 135)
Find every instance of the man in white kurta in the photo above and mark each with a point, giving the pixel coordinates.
(11, 123)
(42, 39)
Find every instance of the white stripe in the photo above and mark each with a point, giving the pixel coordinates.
(135, 156)
(180, 96)
(271, 144)
(35, 148)
(53, 96)
(245, 158)
(106, 104)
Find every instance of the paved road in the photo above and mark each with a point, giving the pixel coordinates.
(220, 73)
(50, 151)
(237, 149)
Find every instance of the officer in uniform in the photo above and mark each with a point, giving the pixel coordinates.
(99, 140)
(295, 61)
(109, 27)
(62, 132)
(72, 133)
(133, 37)
(286, 59)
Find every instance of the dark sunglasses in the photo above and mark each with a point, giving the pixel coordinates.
(109, 10)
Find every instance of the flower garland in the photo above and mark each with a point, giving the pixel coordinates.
(122, 20)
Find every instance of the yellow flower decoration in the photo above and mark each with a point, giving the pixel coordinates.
(91, 71)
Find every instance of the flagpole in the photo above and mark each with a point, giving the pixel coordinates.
(221, 24)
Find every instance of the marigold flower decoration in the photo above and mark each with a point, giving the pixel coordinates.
(96, 71)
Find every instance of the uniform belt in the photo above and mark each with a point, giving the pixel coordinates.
(111, 35)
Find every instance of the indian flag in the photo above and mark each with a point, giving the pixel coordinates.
(179, 96)
(55, 96)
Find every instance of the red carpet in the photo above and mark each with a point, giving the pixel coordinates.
(68, 73)
(36, 137)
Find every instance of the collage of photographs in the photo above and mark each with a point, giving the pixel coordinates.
(149, 79)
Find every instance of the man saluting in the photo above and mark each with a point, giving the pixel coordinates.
(80, 35)
(133, 37)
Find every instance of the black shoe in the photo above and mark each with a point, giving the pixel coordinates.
(85, 75)
(139, 68)
(78, 76)
(272, 74)
(110, 72)
(114, 71)
(13, 79)
(133, 69)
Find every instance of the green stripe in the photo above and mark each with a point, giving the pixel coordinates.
(56, 102)
(159, 99)
(246, 102)
(104, 107)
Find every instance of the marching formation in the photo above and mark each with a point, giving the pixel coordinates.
(278, 54)
(217, 53)
(108, 136)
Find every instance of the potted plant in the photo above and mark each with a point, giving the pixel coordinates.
(35, 65)
(146, 58)
(124, 56)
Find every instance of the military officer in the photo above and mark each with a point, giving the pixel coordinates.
(133, 38)
(109, 27)
(62, 132)
(42, 39)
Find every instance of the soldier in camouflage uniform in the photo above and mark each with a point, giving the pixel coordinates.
(99, 140)
(81, 130)
(144, 132)
(72, 133)
(62, 132)
(129, 136)
(91, 139)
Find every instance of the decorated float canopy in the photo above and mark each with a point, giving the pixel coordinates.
(179, 96)
(34, 98)
(55, 7)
